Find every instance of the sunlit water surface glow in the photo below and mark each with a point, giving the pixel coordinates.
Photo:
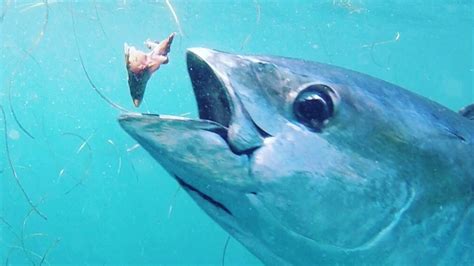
(106, 200)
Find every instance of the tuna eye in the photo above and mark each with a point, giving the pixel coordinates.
(313, 106)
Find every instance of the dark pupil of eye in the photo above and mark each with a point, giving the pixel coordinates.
(313, 108)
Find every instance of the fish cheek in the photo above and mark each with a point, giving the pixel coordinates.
(332, 198)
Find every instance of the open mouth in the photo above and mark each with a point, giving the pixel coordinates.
(211, 94)
(215, 105)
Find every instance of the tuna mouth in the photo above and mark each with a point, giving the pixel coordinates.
(211, 93)
(203, 196)
(214, 104)
(215, 101)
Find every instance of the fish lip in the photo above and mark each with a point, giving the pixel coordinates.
(128, 122)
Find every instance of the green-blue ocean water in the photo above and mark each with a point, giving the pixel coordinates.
(108, 202)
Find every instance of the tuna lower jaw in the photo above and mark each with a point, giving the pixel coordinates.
(140, 126)
(191, 150)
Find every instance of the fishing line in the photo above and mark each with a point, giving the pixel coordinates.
(145, 103)
(134, 147)
(98, 19)
(35, 235)
(22, 238)
(176, 20)
(25, 52)
(119, 164)
(173, 200)
(372, 56)
(51, 246)
(10, 227)
(132, 165)
(27, 7)
(323, 43)
(10, 251)
(15, 175)
(85, 143)
(175, 17)
(51, 154)
(22, 60)
(257, 22)
(372, 48)
(22, 234)
(110, 102)
(225, 250)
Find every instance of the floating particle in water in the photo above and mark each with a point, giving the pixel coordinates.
(349, 6)
(134, 147)
(61, 173)
(13, 134)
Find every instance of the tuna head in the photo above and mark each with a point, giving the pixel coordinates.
(309, 163)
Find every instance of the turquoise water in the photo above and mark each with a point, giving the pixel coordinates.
(108, 202)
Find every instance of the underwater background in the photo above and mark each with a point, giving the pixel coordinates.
(100, 199)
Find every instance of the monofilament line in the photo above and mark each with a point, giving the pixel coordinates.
(14, 173)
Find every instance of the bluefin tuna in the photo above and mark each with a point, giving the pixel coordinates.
(306, 163)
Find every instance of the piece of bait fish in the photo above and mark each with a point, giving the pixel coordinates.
(141, 65)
